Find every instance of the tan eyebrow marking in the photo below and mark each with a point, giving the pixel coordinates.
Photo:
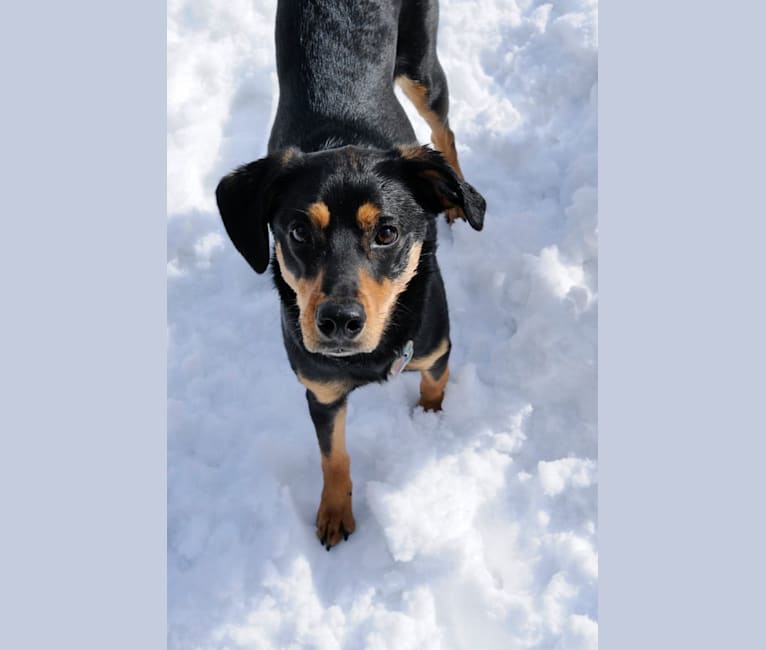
(319, 213)
(412, 152)
(288, 154)
(367, 214)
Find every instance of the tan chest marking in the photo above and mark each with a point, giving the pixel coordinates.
(326, 392)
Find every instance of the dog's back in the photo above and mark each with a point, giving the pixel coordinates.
(337, 61)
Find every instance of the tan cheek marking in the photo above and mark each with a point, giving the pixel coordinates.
(379, 298)
(287, 275)
(319, 214)
(375, 297)
(366, 215)
(326, 392)
(308, 294)
(426, 362)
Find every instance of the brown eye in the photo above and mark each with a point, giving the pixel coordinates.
(386, 236)
(299, 233)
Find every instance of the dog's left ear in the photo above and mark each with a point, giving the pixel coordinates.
(246, 199)
(435, 185)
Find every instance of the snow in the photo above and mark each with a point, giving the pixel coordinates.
(476, 526)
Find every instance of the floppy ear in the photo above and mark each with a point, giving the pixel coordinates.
(436, 186)
(245, 200)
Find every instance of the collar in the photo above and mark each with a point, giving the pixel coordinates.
(400, 363)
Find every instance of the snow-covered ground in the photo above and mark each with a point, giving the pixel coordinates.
(476, 527)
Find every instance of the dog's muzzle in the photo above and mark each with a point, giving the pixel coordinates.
(340, 323)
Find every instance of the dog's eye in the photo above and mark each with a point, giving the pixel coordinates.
(299, 233)
(386, 236)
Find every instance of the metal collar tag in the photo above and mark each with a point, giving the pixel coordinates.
(401, 363)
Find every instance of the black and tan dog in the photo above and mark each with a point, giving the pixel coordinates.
(351, 202)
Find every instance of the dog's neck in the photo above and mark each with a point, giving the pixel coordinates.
(329, 136)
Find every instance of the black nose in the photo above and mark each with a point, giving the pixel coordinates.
(340, 320)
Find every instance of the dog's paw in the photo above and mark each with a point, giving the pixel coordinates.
(453, 214)
(431, 404)
(335, 521)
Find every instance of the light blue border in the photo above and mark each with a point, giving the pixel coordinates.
(682, 325)
(82, 422)
(82, 465)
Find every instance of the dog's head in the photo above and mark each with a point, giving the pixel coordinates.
(348, 225)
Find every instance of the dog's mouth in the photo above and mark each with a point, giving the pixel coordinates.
(315, 343)
(337, 351)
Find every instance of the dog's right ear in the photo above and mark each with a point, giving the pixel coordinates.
(434, 182)
(246, 199)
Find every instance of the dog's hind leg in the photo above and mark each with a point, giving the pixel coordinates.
(431, 102)
(421, 77)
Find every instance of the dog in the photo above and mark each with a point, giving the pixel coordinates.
(351, 200)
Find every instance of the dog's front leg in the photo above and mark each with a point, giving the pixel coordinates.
(335, 520)
(434, 373)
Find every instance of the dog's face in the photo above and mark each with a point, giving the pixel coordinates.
(348, 226)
